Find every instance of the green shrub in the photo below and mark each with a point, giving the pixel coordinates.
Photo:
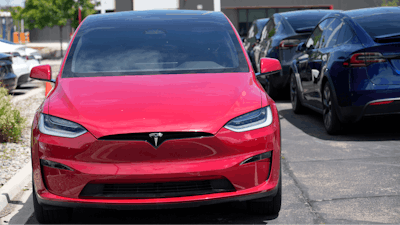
(390, 3)
(11, 121)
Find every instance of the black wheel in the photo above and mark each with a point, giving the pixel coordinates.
(271, 90)
(267, 206)
(331, 121)
(295, 96)
(50, 215)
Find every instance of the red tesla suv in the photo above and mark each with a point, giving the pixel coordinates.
(155, 109)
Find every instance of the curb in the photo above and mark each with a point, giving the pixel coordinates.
(15, 185)
(27, 95)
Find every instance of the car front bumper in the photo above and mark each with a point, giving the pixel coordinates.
(95, 161)
(47, 199)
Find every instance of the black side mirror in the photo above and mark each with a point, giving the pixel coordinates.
(301, 47)
(243, 38)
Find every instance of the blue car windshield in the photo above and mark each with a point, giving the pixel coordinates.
(310, 19)
(380, 24)
(166, 48)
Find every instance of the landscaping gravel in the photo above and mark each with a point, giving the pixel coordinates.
(14, 156)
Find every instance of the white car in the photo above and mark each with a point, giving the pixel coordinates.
(32, 57)
(34, 53)
(23, 60)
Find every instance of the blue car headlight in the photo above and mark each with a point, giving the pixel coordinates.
(55, 126)
(251, 121)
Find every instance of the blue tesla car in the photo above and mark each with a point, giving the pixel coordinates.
(279, 38)
(253, 38)
(349, 67)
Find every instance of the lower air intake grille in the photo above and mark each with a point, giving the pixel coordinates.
(157, 190)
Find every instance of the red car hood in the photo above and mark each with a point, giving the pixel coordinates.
(155, 103)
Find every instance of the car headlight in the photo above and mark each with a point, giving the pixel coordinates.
(251, 121)
(55, 126)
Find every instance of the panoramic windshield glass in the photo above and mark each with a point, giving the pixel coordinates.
(380, 24)
(159, 49)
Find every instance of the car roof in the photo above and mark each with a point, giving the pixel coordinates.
(8, 42)
(156, 17)
(351, 15)
(366, 12)
(310, 12)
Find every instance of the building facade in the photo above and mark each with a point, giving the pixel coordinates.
(243, 12)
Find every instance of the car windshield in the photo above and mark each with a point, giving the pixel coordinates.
(380, 24)
(304, 20)
(164, 48)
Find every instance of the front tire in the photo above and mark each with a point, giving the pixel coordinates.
(50, 215)
(267, 206)
(297, 107)
(331, 121)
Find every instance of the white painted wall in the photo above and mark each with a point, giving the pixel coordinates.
(155, 4)
(105, 5)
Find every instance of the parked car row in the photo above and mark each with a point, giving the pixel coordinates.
(16, 62)
(343, 64)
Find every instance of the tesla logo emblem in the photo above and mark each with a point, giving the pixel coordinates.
(155, 136)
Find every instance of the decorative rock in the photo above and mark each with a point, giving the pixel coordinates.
(13, 156)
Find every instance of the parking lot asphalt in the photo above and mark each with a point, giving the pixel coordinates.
(349, 178)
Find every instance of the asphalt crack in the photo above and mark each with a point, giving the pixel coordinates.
(357, 197)
(318, 219)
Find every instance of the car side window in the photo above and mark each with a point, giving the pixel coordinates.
(314, 39)
(331, 33)
(278, 26)
(345, 34)
(251, 32)
(326, 32)
(267, 30)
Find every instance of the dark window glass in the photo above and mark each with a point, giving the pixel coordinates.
(242, 22)
(268, 31)
(286, 9)
(252, 31)
(278, 26)
(255, 14)
(315, 37)
(330, 33)
(380, 24)
(303, 20)
(260, 26)
(154, 48)
(345, 34)
(271, 12)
